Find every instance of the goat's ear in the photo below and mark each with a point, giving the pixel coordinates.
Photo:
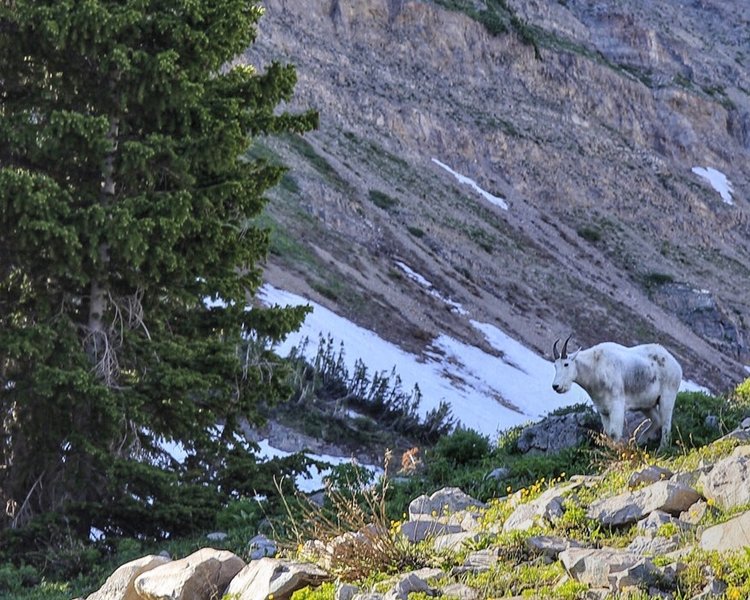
(572, 355)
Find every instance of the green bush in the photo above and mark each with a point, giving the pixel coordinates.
(689, 428)
(462, 447)
(382, 200)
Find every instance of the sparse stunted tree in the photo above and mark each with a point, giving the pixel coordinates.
(127, 250)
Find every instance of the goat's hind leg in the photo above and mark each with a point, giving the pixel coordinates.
(666, 407)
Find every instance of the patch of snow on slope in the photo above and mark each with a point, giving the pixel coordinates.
(414, 276)
(718, 181)
(314, 482)
(470, 380)
(496, 200)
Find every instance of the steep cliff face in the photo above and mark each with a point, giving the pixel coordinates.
(585, 119)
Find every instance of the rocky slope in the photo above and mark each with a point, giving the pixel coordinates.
(639, 530)
(585, 118)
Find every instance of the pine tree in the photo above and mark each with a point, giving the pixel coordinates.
(127, 254)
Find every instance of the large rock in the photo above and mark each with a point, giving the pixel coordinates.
(728, 482)
(444, 502)
(203, 574)
(629, 507)
(731, 535)
(406, 584)
(607, 567)
(121, 584)
(271, 577)
(419, 530)
(556, 432)
(544, 510)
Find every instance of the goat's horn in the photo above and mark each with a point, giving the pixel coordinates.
(555, 352)
(565, 347)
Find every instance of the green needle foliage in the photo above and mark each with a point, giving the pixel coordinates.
(124, 205)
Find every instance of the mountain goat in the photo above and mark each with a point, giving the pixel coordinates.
(644, 378)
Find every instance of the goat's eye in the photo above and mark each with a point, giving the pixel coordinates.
(566, 364)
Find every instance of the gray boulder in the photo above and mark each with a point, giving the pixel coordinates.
(650, 474)
(629, 507)
(731, 535)
(607, 567)
(727, 483)
(121, 584)
(543, 510)
(444, 502)
(270, 576)
(203, 574)
(556, 432)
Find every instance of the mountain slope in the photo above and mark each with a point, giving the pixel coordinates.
(585, 119)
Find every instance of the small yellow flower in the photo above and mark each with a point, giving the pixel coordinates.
(710, 501)
(509, 489)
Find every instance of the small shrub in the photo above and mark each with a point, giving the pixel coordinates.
(657, 279)
(382, 200)
(416, 231)
(462, 447)
(13, 579)
(590, 234)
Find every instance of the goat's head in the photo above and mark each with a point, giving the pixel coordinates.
(565, 367)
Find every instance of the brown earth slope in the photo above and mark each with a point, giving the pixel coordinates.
(586, 118)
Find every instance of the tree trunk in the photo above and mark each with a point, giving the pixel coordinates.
(98, 339)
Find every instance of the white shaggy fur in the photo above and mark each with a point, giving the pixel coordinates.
(617, 378)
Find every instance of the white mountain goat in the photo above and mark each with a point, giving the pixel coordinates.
(644, 378)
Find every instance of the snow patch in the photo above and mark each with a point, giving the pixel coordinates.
(496, 200)
(486, 393)
(314, 482)
(414, 276)
(718, 181)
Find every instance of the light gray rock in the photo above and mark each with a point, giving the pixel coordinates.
(406, 584)
(652, 546)
(454, 541)
(727, 483)
(345, 591)
(499, 474)
(121, 584)
(731, 535)
(460, 591)
(266, 576)
(419, 530)
(203, 574)
(545, 509)
(650, 525)
(607, 567)
(260, 546)
(216, 536)
(444, 502)
(650, 474)
(478, 562)
(629, 507)
(549, 545)
(695, 514)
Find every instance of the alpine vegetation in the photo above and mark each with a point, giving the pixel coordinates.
(644, 378)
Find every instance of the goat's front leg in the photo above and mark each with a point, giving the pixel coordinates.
(616, 420)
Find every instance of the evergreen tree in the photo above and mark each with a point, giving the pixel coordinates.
(125, 203)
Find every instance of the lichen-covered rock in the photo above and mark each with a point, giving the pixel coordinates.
(121, 584)
(267, 577)
(727, 483)
(607, 567)
(730, 535)
(202, 574)
(629, 507)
